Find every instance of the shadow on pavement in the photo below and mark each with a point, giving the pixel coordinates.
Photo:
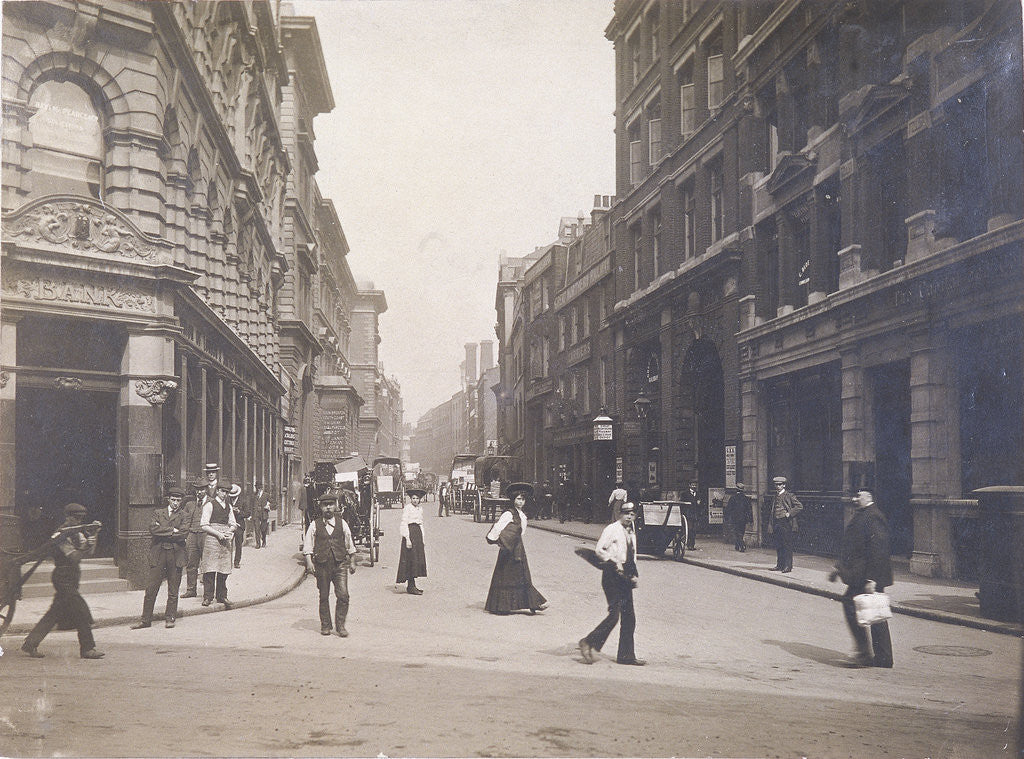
(815, 653)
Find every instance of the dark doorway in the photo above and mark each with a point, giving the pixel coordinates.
(891, 390)
(66, 442)
(702, 409)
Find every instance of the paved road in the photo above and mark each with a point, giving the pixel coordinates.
(737, 668)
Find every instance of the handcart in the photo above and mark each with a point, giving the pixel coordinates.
(12, 578)
(493, 474)
(660, 524)
(388, 482)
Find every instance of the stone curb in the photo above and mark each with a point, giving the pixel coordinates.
(1003, 628)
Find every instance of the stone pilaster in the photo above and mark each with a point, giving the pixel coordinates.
(10, 533)
(934, 451)
(147, 381)
(857, 448)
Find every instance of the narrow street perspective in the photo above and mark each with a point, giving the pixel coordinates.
(512, 378)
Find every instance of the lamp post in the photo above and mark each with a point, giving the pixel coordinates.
(604, 437)
(642, 406)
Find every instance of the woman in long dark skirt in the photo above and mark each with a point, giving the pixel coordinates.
(511, 584)
(413, 561)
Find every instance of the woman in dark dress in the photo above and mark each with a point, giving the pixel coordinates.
(413, 561)
(511, 585)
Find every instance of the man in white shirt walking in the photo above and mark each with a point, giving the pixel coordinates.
(617, 548)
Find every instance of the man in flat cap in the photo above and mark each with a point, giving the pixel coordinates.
(783, 522)
(330, 556)
(72, 545)
(167, 554)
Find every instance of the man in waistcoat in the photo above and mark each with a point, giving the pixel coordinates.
(166, 558)
(783, 523)
(330, 557)
(218, 522)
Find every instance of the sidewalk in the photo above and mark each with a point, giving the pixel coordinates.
(949, 601)
(265, 574)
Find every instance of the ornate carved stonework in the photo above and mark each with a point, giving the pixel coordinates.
(83, 226)
(67, 383)
(5, 377)
(155, 391)
(70, 291)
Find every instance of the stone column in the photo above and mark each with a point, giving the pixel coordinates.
(1002, 138)
(934, 451)
(245, 435)
(182, 400)
(921, 181)
(753, 449)
(233, 436)
(203, 442)
(786, 281)
(147, 379)
(10, 531)
(218, 438)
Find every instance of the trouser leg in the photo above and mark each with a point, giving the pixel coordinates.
(193, 548)
(860, 635)
(882, 644)
(222, 587)
(43, 626)
(82, 621)
(239, 538)
(324, 578)
(340, 580)
(153, 582)
(209, 583)
(173, 583)
(597, 637)
(627, 624)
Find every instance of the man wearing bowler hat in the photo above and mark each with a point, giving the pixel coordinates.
(68, 605)
(167, 555)
(738, 516)
(783, 522)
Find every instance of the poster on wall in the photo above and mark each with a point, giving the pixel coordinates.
(716, 505)
(730, 467)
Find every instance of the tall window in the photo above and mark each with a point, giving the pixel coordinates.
(687, 101)
(656, 240)
(635, 56)
(689, 222)
(635, 157)
(563, 332)
(717, 214)
(67, 141)
(716, 77)
(654, 132)
(654, 24)
(602, 378)
(585, 307)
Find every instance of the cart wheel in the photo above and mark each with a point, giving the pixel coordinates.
(6, 615)
(679, 542)
(478, 509)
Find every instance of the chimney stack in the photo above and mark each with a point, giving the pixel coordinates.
(486, 355)
(471, 375)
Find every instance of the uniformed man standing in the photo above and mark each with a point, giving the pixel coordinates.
(68, 604)
(167, 554)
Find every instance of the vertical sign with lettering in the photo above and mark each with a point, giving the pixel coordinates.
(730, 466)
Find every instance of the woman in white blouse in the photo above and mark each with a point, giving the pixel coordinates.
(413, 561)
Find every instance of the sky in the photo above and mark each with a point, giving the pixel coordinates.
(461, 131)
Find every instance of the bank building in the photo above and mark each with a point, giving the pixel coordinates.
(174, 286)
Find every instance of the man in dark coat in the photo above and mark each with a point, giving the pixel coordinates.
(260, 515)
(167, 554)
(68, 605)
(783, 522)
(192, 517)
(737, 516)
(696, 511)
(864, 556)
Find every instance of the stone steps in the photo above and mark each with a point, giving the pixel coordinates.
(98, 576)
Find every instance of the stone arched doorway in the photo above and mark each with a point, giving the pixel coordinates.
(700, 418)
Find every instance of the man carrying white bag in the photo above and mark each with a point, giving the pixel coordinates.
(866, 568)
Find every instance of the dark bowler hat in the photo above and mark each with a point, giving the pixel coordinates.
(75, 509)
(519, 487)
(175, 493)
(416, 491)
